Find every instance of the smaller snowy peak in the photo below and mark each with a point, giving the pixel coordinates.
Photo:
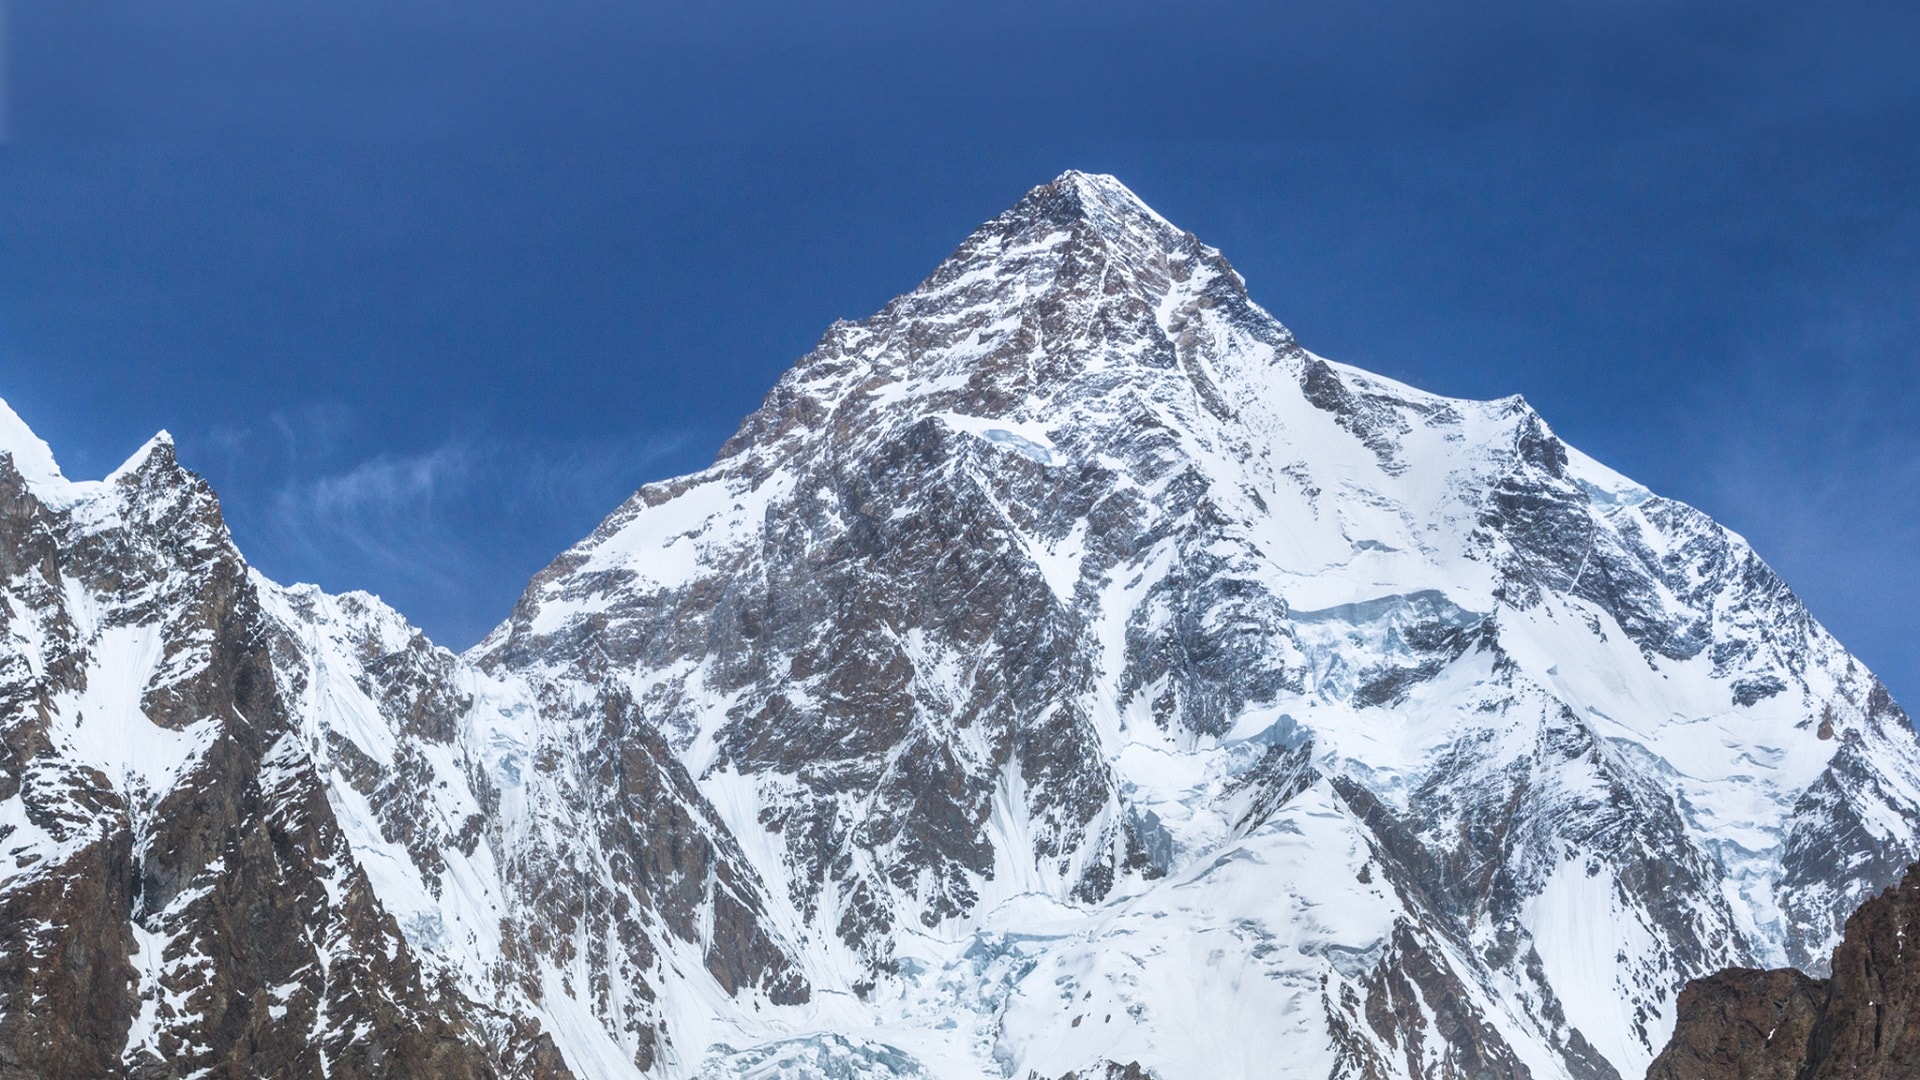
(32, 457)
(158, 449)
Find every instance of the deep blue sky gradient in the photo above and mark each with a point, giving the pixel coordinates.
(426, 288)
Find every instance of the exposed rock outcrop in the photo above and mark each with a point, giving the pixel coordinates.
(1860, 1023)
(179, 896)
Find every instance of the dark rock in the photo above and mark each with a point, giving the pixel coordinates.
(1862, 1023)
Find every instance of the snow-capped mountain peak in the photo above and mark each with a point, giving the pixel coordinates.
(1099, 203)
(32, 457)
(1063, 671)
(1070, 572)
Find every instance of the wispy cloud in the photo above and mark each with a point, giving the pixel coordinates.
(1815, 455)
(449, 534)
(382, 508)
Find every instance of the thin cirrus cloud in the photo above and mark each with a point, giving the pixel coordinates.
(438, 528)
(378, 502)
(1820, 473)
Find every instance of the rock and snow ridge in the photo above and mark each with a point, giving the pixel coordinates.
(1860, 1023)
(1063, 670)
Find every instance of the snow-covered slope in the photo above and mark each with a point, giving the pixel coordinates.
(1062, 672)
(180, 893)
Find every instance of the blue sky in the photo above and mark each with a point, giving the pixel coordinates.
(426, 288)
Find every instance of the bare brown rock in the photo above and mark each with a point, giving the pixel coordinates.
(1863, 1023)
(1744, 1023)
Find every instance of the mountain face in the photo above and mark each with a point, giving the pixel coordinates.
(180, 894)
(1862, 1023)
(1062, 673)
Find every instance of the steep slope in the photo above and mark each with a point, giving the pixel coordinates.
(1863, 1023)
(1087, 667)
(178, 893)
(263, 831)
(536, 865)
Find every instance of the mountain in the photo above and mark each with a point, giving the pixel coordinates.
(1063, 672)
(1862, 1023)
(181, 894)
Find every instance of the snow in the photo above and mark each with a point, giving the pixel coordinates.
(156, 1001)
(582, 1039)
(455, 916)
(105, 726)
(29, 848)
(32, 457)
(1027, 439)
(1585, 938)
(1159, 977)
(825, 1055)
(34, 460)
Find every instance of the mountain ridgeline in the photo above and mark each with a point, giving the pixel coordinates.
(1063, 673)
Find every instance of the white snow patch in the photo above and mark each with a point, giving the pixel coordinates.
(1585, 940)
(1025, 438)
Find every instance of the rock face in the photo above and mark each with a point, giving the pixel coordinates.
(1063, 672)
(1862, 1023)
(1742, 1024)
(178, 894)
